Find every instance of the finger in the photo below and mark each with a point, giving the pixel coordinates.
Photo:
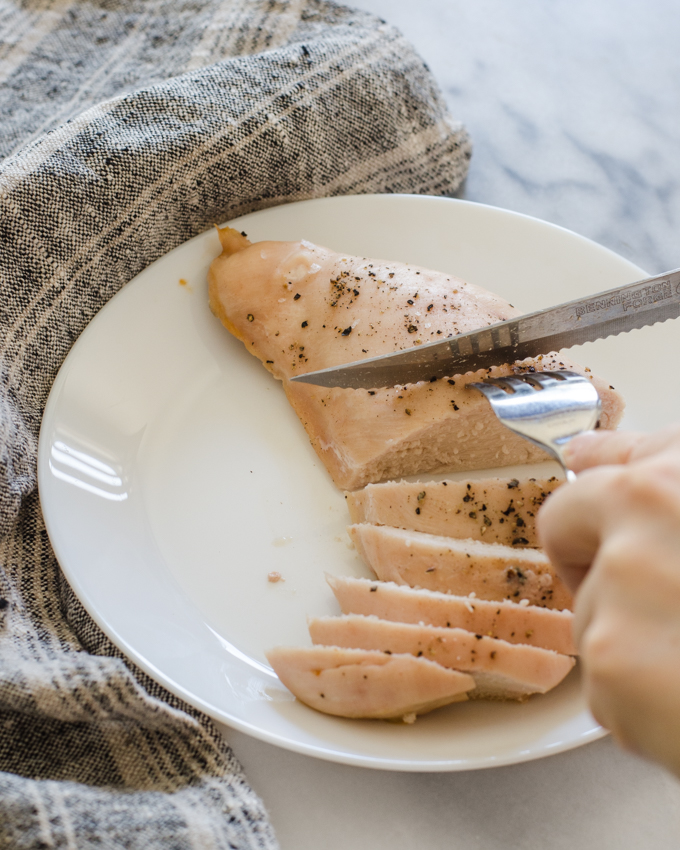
(570, 523)
(600, 448)
(657, 442)
(629, 643)
(635, 575)
(613, 566)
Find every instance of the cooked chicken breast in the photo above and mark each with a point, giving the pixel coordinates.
(357, 683)
(501, 670)
(495, 510)
(544, 627)
(299, 307)
(489, 570)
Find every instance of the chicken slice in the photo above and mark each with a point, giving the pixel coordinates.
(360, 683)
(495, 510)
(544, 627)
(489, 570)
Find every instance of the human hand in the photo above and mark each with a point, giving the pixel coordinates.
(614, 535)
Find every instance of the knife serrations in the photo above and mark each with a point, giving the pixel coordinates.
(609, 313)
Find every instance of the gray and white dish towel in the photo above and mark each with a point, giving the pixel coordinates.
(127, 127)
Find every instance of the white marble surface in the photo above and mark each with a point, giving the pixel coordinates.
(574, 111)
(573, 107)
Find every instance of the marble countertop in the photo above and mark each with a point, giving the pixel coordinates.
(573, 110)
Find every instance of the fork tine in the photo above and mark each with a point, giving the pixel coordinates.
(491, 391)
(550, 379)
(515, 384)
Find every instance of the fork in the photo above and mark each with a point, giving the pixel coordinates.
(546, 408)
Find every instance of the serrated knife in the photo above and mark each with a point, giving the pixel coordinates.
(635, 305)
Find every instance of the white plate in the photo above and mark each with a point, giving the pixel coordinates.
(174, 476)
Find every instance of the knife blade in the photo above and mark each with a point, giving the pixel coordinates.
(615, 311)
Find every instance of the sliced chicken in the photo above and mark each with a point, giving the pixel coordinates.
(495, 510)
(299, 307)
(360, 683)
(544, 627)
(489, 570)
(501, 670)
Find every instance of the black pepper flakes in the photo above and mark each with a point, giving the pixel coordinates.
(347, 331)
(304, 324)
(250, 317)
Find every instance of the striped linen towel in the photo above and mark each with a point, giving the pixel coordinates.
(129, 126)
